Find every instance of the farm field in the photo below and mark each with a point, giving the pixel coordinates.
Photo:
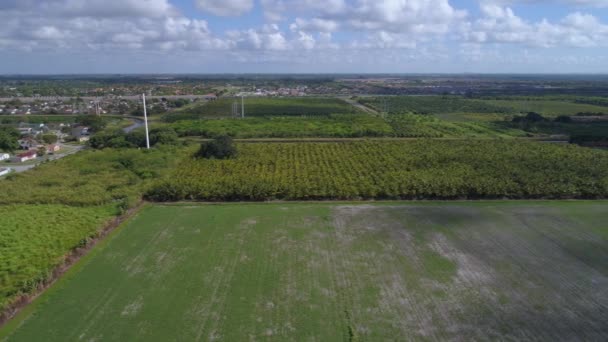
(401, 270)
(455, 104)
(430, 126)
(432, 105)
(333, 125)
(415, 169)
(344, 126)
(547, 107)
(258, 106)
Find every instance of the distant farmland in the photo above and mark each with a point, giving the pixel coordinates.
(328, 272)
(258, 106)
(456, 104)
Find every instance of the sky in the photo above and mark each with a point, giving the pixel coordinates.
(303, 36)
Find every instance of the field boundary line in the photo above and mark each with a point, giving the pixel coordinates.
(198, 138)
(482, 201)
(23, 306)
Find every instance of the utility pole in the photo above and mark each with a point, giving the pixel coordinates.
(143, 96)
(242, 106)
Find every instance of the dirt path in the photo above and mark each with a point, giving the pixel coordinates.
(360, 106)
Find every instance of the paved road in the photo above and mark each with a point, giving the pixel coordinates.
(136, 124)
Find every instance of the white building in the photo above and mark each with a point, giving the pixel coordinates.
(4, 156)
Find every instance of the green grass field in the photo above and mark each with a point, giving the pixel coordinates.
(333, 272)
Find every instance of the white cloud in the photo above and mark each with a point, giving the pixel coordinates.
(273, 9)
(269, 37)
(500, 25)
(343, 32)
(574, 3)
(306, 41)
(417, 17)
(225, 8)
(315, 25)
(147, 28)
(91, 8)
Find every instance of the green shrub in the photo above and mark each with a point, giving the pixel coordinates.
(221, 147)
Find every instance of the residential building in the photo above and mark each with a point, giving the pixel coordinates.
(27, 144)
(53, 148)
(23, 157)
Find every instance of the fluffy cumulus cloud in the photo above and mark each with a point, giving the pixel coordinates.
(225, 7)
(396, 16)
(501, 25)
(303, 31)
(123, 24)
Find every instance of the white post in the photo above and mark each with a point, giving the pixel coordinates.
(146, 121)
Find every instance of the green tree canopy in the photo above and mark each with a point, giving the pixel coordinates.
(9, 137)
(221, 147)
(49, 138)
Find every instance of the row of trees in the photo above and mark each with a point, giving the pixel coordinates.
(137, 138)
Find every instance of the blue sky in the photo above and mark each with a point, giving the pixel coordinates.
(305, 36)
